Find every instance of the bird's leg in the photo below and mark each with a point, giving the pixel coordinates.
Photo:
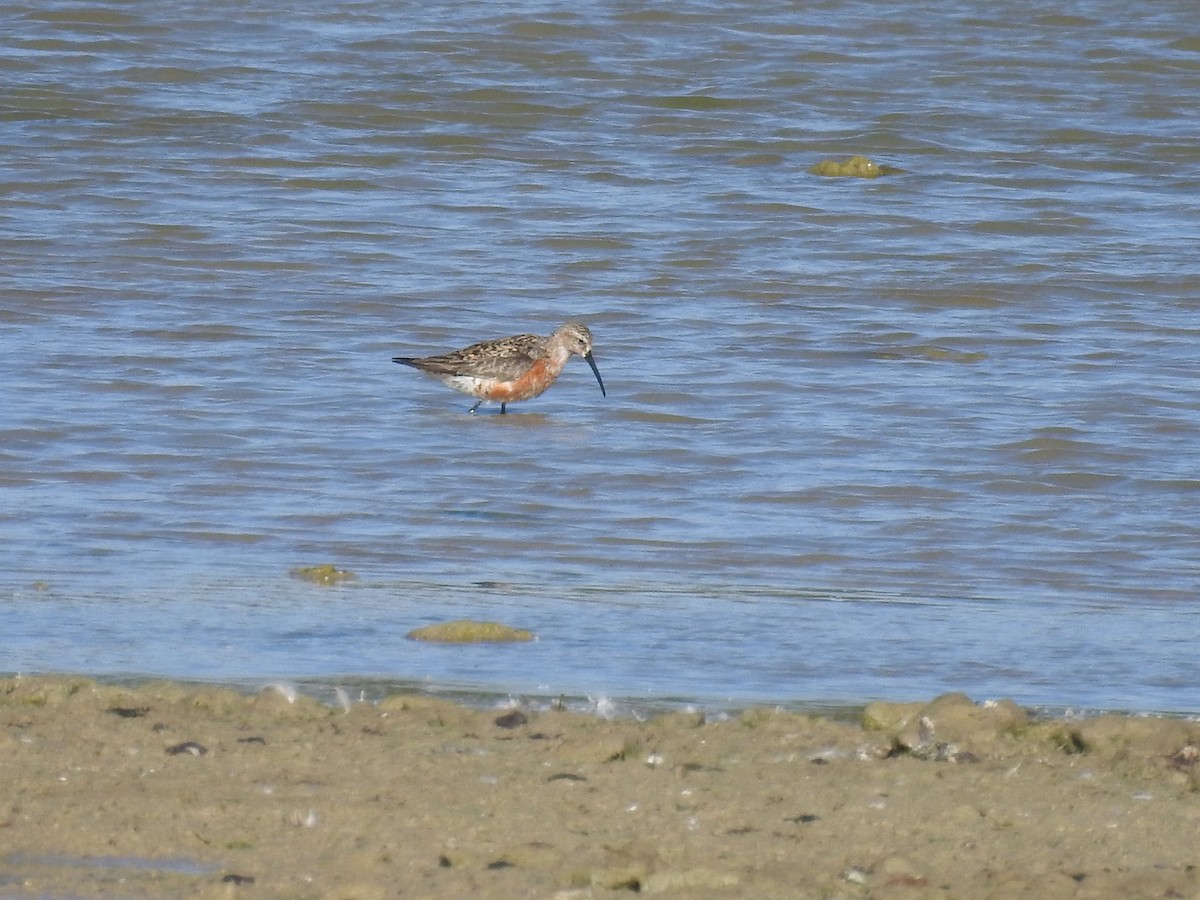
(502, 408)
(471, 411)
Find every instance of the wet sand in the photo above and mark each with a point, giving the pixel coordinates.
(168, 790)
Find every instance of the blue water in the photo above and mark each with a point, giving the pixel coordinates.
(863, 438)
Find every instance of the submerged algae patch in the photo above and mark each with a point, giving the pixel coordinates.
(322, 574)
(930, 353)
(854, 167)
(466, 631)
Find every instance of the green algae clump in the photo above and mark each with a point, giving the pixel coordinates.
(854, 167)
(323, 574)
(466, 631)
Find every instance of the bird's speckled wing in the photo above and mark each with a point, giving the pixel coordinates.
(505, 359)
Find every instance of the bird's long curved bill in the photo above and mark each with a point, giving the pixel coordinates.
(600, 381)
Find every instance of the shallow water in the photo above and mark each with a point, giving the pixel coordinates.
(863, 438)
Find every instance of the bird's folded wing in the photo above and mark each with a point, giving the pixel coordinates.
(505, 359)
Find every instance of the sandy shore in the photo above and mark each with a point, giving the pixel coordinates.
(167, 790)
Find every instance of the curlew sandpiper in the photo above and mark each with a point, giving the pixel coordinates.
(509, 369)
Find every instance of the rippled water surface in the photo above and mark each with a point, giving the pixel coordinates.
(863, 438)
